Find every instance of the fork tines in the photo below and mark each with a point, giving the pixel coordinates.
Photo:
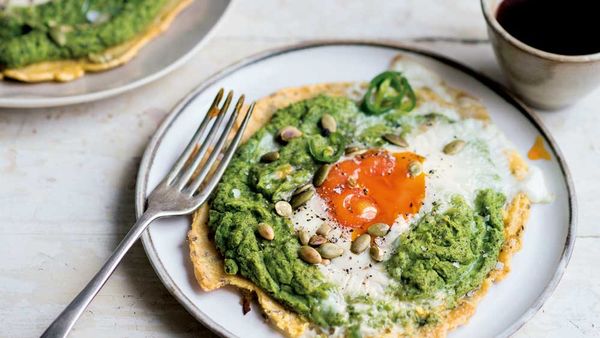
(200, 155)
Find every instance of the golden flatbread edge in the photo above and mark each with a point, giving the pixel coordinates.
(208, 263)
(69, 70)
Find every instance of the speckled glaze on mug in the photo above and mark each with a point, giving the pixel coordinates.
(543, 80)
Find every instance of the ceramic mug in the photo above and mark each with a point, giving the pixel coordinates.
(543, 80)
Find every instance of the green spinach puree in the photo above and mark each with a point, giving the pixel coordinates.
(450, 252)
(425, 263)
(70, 29)
(246, 195)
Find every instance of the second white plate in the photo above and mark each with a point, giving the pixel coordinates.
(160, 56)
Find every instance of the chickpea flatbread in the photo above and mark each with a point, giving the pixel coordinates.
(408, 204)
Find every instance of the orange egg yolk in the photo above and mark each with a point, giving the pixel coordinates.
(373, 187)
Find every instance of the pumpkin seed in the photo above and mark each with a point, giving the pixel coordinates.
(325, 261)
(304, 237)
(415, 168)
(301, 198)
(454, 147)
(288, 133)
(321, 175)
(352, 182)
(302, 188)
(309, 255)
(376, 253)
(396, 139)
(317, 240)
(330, 250)
(270, 157)
(284, 209)
(266, 231)
(361, 243)
(324, 229)
(352, 150)
(379, 229)
(328, 123)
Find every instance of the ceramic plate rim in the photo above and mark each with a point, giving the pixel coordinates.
(47, 102)
(494, 86)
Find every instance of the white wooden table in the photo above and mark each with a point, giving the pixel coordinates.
(67, 175)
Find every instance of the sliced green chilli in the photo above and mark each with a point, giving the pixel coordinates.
(327, 149)
(388, 91)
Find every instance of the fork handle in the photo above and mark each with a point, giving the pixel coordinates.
(65, 321)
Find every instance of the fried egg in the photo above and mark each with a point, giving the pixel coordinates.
(378, 186)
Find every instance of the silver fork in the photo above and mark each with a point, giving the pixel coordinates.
(177, 194)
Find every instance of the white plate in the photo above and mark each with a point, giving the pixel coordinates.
(550, 232)
(160, 56)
